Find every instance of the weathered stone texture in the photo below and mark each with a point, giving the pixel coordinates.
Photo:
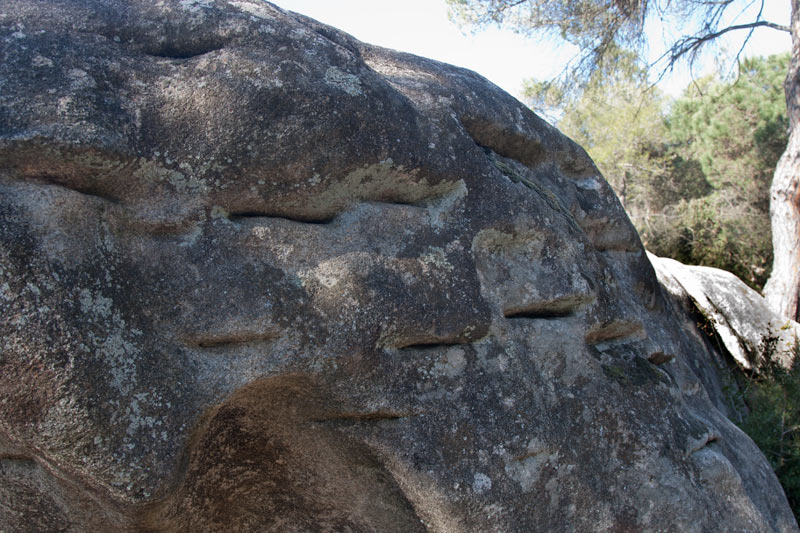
(750, 330)
(257, 275)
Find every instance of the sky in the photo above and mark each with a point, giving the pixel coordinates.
(422, 27)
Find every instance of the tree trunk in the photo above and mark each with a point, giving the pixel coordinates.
(783, 287)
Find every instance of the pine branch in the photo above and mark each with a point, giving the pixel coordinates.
(693, 43)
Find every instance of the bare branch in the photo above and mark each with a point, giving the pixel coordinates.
(749, 35)
(692, 44)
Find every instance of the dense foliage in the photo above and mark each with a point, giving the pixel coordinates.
(773, 422)
(694, 175)
(735, 132)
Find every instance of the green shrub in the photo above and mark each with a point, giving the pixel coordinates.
(712, 231)
(773, 422)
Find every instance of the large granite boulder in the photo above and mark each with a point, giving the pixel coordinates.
(256, 275)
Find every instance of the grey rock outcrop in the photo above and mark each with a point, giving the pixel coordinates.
(751, 332)
(256, 275)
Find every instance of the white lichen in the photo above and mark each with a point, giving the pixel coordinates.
(196, 6)
(453, 363)
(256, 10)
(349, 83)
(435, 258)
(41, 61)
(95, 304)
(481, 483)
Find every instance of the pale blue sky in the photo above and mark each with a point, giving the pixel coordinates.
(422, 27)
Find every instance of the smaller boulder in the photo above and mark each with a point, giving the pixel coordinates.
(750, 330)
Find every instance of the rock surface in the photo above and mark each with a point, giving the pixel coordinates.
(258, 276)
(750, 330)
